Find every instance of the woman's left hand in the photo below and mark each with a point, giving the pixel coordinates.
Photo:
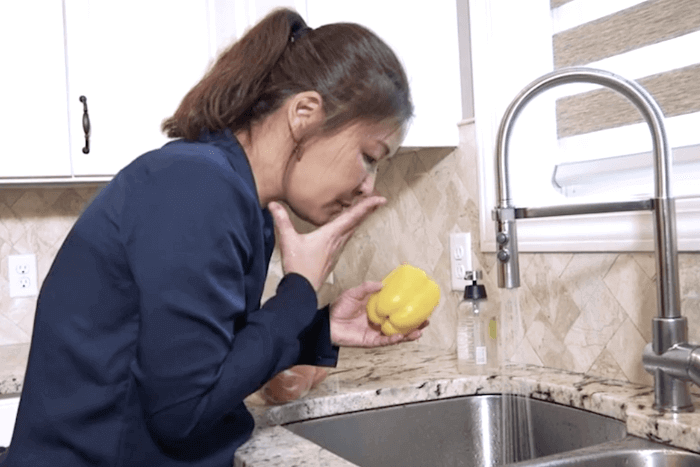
(350, 326)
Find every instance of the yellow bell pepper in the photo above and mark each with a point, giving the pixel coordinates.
(407, 299)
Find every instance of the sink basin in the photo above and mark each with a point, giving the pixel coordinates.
(466, 431)
(628, 452)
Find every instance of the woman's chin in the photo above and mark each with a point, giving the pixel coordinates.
(325, 217)
(316, 218)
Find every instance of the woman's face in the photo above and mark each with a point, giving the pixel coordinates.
(331, 173)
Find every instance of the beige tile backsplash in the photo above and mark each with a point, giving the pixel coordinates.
(589, 312)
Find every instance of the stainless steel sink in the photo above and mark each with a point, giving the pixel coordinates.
(628, 452)
(467, 431)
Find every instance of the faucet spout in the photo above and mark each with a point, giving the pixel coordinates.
(670, 328)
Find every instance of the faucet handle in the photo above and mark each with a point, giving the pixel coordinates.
(503, 255)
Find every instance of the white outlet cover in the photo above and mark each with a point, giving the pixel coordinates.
(460, 259)
(22, 275)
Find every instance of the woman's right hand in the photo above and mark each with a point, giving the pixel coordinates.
(292, 384)
(313, 255)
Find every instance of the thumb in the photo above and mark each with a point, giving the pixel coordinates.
(367, 288)
(281, 218)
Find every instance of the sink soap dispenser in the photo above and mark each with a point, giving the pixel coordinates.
(476, 332)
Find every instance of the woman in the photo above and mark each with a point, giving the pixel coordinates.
(149, 331)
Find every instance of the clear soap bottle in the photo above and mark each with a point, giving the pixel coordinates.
(472, 328)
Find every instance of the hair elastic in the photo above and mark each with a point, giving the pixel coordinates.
(299, 28)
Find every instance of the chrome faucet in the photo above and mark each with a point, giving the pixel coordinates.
(669, 357)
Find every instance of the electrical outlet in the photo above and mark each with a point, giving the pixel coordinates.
(22, 275)
(460, 259)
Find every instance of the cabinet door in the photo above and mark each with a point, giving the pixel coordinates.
(134, 60)
(33, 108)
(424, 36)
(232, 18)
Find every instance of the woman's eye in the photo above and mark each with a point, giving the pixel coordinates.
(371, 161)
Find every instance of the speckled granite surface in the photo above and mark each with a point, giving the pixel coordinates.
(13, 361)
(10, 384)
(402, 374)
(366, 379)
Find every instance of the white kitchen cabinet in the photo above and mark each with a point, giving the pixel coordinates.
(232, 18)
(33, 107)
(8, 415)
(134, 60)
(424, 36)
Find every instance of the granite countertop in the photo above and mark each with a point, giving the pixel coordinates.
(11, 384)
(366, 379)
(372, 378)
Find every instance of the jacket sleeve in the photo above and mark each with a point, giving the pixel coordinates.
(316, 345)
(186, 233)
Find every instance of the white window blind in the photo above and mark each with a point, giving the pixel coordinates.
(603, 141)
(581, 143)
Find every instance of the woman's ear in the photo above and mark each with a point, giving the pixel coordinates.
(305, 114)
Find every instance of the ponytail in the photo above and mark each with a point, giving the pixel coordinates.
(356, 74)
(226, 94)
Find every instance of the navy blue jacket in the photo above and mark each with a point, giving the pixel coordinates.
(149, 331)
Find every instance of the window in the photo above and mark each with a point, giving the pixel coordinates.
(582, 143)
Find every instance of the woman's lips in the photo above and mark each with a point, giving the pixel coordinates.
(339, 206)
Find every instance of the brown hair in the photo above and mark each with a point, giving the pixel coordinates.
(355, 72)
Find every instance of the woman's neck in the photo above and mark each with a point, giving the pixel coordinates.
(268, 146)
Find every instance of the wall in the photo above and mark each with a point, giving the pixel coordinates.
(586, 312)
(31, 221)
(589, 312)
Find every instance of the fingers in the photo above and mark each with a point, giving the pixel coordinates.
(395, 339)
(383, 341)
(398, 338)
(413, 335)
(347, 221)
(416, 333)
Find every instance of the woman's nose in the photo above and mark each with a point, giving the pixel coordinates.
(366, 188)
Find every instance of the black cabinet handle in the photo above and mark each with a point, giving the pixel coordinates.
(86, 125)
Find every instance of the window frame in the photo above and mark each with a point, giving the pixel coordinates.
(508, 53)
